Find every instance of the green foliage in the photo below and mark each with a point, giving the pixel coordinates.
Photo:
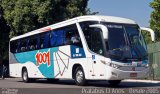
(20, 16)
(147, 37)
(155, 18)
(27, 15)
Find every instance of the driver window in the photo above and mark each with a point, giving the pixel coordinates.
(93, 38)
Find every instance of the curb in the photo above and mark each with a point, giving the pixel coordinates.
(145, 81)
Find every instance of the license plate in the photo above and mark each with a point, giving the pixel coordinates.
(133, 74)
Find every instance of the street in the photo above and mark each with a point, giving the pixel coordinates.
(16, 86)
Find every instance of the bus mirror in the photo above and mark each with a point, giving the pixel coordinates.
(103, 28)
(150, 31)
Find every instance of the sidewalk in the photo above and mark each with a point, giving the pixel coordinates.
(143, 81)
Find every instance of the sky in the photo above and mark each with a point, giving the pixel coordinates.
(137, 10)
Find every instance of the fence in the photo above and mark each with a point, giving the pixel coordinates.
(154, 60)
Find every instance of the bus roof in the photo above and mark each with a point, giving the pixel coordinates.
(77, 19)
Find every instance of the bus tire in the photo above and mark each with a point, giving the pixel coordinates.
(79, 76)
(114, 82)
(25, 77)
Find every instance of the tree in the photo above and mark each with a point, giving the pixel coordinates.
(147, 37)
(21, 16)
(4, 31)
(27, 15)
(155, 18)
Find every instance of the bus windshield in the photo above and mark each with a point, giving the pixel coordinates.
(125, 43)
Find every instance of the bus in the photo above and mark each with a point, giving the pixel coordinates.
(82, 48)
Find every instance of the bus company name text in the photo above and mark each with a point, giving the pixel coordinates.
(43, 58)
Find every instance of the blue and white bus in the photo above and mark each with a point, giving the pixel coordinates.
(83, 48)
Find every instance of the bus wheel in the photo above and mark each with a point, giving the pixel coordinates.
(114, 82)
(25, 76)
(79, 76)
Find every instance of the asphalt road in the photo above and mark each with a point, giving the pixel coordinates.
(16, 86)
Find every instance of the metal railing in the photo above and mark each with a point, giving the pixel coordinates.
(154, 60)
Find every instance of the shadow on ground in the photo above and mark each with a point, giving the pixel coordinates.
(123, 84)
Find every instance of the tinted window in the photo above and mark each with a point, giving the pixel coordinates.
(65, 36)
(44, 41)
(32, 43)
(59, 37)
(72, 36)
(22, 47)
(56, 38)
(18, 46)
(93, 37)
(13, 46)
(116, 37)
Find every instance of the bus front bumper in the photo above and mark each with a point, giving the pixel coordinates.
(116, 74)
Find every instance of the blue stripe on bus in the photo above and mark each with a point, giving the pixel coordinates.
(47, 71)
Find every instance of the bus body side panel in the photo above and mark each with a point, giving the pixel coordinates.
(99, 68)
(38, 63)
(62, 63)
(16, 68)
(56, 62)
(66, 58)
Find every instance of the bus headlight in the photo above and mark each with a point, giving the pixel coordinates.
(146, 65)
(114, 65)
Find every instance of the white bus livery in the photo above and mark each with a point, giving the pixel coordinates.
(83, 48)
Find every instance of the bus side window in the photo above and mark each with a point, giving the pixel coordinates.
(72, 36)
(18, 46)
(13, 46)
(67, 37)
(38, 42)
(53, 39)
(59, 40)
(23, 45)
(32, 43)
(41, 42)
(93, 37)
(35, 42)
(56, 38)
(27, 44)
(31, 46)
(44, 40)
(75, 39)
